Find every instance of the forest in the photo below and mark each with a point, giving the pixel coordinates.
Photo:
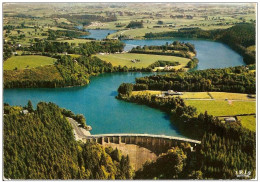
(135, 24)
(238, 37)
(174, 49)
(54, 34)
(40, 145)
(86, 49)
(240, 79)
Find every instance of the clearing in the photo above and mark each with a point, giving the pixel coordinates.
(124, 59)
(223, 108)
(22, 62)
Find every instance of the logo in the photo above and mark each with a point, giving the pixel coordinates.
(243, 173)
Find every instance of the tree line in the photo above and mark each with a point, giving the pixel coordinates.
(54, 34)
(238, 79)
(86, 49)
(40, 145)
(174, 49)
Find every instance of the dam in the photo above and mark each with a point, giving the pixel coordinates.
(142, 147)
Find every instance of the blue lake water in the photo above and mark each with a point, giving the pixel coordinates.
(210, 54)
(97, 101)
(98, 34)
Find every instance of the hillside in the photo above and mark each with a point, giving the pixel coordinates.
(40, 145)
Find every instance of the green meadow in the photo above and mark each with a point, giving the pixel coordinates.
(223, 108)
(124, 59)
(22, 62)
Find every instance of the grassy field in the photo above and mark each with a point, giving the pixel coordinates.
(230, 96)
(195, 95)
(223, 108)
(47, 73)
(124, 59)
(248, 122)
(76, 41)
(139, 32)
(22, 62)
(186, 95)
(204, 95)
(146, 92)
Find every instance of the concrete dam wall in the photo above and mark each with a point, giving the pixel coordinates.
(141, 147)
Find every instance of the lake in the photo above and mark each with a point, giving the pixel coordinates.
(97, 101)
(98, 34)
(211, 54)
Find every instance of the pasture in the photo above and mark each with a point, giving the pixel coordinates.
(229, 96)
(223, 108)
(22, 62)
(124, 59)
(248, 122)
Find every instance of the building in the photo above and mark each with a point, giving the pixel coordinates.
(171, 92)
(230, 120)
(251, 96)
(24, 111)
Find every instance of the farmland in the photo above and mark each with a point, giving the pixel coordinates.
(248, 122)
(124, 59)
(223, 108)
(22, 62)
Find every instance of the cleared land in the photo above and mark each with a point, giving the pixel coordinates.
(248, 122)
(146, 92)
(139, 32)
(124, 59)
(186, 95)
(223, 108)
(230, 96)
(76, 41)
(22, 62)
(218, 106)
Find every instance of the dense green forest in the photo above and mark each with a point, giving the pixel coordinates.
(238, 37)
(240, 79)
(86, 49)
(135, 24)
(193, 63)
(51, 48)
(174, 49)
(225, 149)
(41, 145)
(54, 34)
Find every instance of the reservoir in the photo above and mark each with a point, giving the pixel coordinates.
(104, 112)
(211, 54)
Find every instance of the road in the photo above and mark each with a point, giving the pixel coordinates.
(79, 132)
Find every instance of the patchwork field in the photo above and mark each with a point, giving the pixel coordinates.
(223, 108)
(22, 62)
(124, 59)
(230, 96)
